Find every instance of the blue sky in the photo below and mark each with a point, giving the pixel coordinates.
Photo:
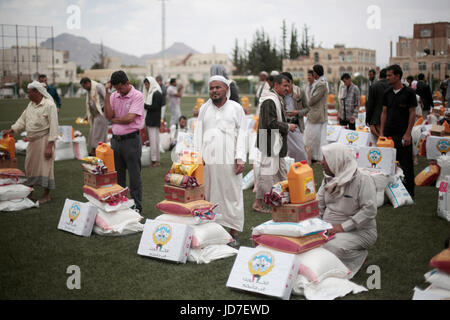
(134, 26)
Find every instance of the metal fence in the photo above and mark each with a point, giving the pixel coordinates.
(23, 58)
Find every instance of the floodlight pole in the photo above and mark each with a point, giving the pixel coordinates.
(163, 29)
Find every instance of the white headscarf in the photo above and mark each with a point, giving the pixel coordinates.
(342, 164)
(224, 80)
(148, 94)
(40, 87)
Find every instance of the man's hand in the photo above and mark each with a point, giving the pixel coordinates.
(292, 113)
(352, 120)
(49, 151)
(238, 166)
(406, 139)
(108, 87)
(292, 127)
(337, 228)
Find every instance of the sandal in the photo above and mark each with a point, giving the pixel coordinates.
(261, 210)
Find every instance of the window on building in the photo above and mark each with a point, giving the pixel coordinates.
(57, 61)
(341, 56)
(436, 66)
(15, 60)
(425, 33)
(349, 57)
(405, 66)
(422, 66)
(329, 70)
(349, 70)
(23, 59)
(403, 43)
(329, 56)
(316, 57)
(341, 71)
(301, 74)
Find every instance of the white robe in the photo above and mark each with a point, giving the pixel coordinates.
(220, 138)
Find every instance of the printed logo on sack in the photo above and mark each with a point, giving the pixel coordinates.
(260, 264)
(374, 156)
(162, 235)
(352, 137)
(74, 212)
(443, 146)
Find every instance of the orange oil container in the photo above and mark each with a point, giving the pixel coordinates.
(384, 142)
(194, 158)
(245, 102)
(8, 143)
(200, 102)
(419, 121)
(363, 100)
(331, 98)
(104, 152)
(301, 183)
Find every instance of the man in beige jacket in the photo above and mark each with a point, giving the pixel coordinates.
(316, 125)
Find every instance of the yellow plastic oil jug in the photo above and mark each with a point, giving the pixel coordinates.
(301, 183)
(104, 152)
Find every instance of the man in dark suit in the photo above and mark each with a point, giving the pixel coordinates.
(424, 92)
(374, 104)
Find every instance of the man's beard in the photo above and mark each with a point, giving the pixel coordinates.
(217, 100)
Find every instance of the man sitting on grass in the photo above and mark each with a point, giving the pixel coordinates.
(347, 200)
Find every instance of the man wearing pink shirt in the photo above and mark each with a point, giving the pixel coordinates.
(125, 109)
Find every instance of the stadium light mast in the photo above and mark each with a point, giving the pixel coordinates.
(163, 29)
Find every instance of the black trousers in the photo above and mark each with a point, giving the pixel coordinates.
(351, 126)
(127, 156)
(405, 159)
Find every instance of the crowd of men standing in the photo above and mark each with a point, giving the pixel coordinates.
(292, 122)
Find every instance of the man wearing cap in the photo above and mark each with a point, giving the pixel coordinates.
(125, 109)
(220, 139)
(40, 121)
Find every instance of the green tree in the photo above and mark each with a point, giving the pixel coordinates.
(263, 54)
(284, 53)
(305, 46)
(294, 51)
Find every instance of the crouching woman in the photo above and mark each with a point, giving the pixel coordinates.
(347, 200)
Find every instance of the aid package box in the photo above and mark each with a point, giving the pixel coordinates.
(354, 138)
(78, 218)
(437, 146)
(378, 158)
(333, 133)
(264, 271)
(166, 240)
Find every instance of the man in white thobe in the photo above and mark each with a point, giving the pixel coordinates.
(220, 139)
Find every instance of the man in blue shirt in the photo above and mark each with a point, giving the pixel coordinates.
(51, 90)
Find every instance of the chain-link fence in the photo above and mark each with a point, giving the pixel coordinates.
(26, 52)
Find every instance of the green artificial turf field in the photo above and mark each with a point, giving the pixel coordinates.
(34, 254)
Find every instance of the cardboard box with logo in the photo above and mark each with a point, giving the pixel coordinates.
(354, 138)
(264, 271)
(437, 146)
(166, 241)
(378, 158)
(184, 195)
(78, 218)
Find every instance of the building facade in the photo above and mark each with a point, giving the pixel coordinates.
(335, 61)
(27, 62)
(426, 52)
(191, 67)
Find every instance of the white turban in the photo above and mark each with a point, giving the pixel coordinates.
(221, 79)
(40, 87)
(342, 164)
